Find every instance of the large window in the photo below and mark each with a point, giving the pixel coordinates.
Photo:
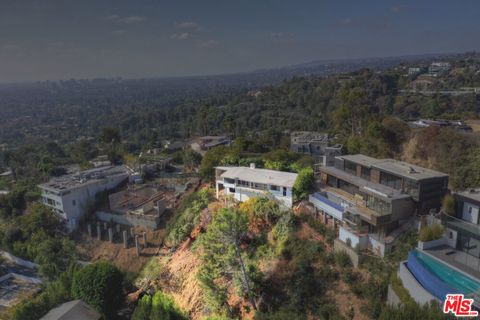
(351, 167)
(378, 205)
(411, 187)
(365, 173)
(348, 187)
(390, 180)
(331, 181)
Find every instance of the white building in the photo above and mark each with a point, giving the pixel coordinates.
(70, 195)
(244, 183)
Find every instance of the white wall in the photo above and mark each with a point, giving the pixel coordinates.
(75, 202)
(451, 242)
(360, 241)
(377, 246)
(470, 212)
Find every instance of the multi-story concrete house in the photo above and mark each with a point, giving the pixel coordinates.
(70, 195)
(372, 200)
(244, 183)
(315, 144)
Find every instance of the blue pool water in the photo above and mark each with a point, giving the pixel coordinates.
(438, 278)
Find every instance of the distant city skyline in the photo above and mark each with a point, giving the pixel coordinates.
(55, 39)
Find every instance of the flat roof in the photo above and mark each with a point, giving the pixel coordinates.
(473, 194)
(72, 310)
(366, 186)
(307, 136)
(360, 159)
(397, 167)
(83, 178)
(264, 176)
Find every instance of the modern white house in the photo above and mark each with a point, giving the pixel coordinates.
(244, 183)
(70, 195)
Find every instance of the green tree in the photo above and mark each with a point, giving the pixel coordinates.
(143, 308)
(305, 183)
(54, 255)
(190, 158)
(110, 135)
(159, 307)
(210, 160)
(99, 285)
(223, 257)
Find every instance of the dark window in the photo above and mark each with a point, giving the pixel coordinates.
(348, 187)
(232, 190)
(351, 167)
(274, 188)
(284, 191)
(390, 180)
(365, 173)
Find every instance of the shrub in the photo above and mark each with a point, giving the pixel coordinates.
(342, 259)
(160, 306)
(448, 205)
(349, 276)
(54, 294)
(100, 286)
(181, 225)
(432, 232)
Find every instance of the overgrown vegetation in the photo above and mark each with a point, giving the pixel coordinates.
(160, 306)
(98, 284)
(54, 294)
(37, 236)
(187, 216)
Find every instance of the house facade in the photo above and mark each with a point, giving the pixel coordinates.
(315, 144)
(373, 200)
(70, 196)
(244, 183)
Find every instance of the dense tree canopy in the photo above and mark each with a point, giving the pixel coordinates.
(100, 286)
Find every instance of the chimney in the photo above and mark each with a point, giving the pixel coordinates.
(252, 165)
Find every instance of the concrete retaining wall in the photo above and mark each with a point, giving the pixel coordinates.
(417, 292)
(392, 298)
(339, 246)
(432, 244)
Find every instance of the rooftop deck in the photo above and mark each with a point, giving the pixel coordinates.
(466, 263)
(83, 178)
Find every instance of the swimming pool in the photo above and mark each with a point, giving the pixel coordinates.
(438, 278)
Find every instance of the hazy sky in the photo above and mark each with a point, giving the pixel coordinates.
(58, 39)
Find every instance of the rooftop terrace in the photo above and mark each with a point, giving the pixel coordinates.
(84, 178)
(397, 167)
(308, 136)
(264, 176)
(473, 194)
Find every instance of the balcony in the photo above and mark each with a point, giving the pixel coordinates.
(356, 205)
(329, 204)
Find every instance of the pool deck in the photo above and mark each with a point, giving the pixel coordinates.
(460, 260)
